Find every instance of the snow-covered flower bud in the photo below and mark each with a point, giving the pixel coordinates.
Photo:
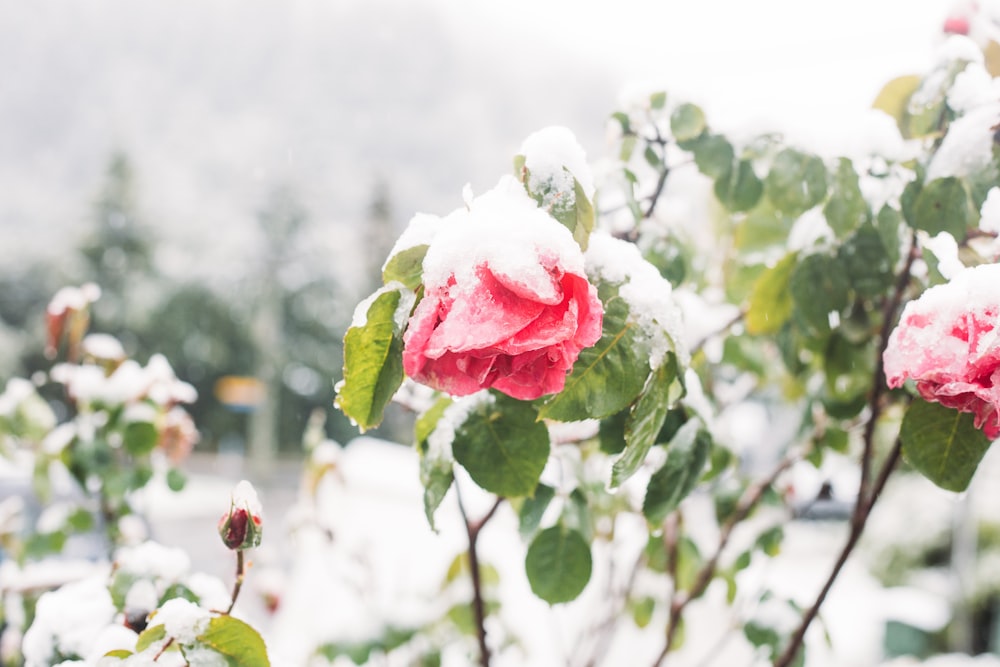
(241, 527)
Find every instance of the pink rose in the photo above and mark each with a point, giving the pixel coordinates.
(948, 342)
(506, 301)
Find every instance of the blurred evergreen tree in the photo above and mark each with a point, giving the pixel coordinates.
(118, 254)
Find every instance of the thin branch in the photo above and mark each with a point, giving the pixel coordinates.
(889, 312)
(868, 493)
(472, 529)
(748, 502)
(736, 319)
(240, 572)
(857, 528)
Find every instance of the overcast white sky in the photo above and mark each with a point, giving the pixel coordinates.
(218, 100)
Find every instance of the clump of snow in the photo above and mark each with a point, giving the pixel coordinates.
(67, 620)
(648, 294)
(945, 248)
(505, 230)
(17, 390)
(59, 438)
(182, 619)
(959, 48)
(211, 592)
(360, 317)
(990, 212)
(103, 346)
(967, 148)
(440, 439)
(244, 496)
(129, 382)
(53, 517)
(420, 231)
(811, 229)
(142, 596)
(549, 154)
(973, 87)
(153, 560)
(73, 298)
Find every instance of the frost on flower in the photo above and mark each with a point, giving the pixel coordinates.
(948, 342)
(507, 303)
(648, 294)
(240, 527)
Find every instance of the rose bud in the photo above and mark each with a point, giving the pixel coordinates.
(241, 527)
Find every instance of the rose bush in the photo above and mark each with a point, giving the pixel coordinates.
(948, 342)
(506, 305)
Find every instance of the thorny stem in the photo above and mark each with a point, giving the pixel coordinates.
(472, 529)
(680, 599)
(240, 572)
(868, 493)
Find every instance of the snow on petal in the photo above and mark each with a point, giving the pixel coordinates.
(948, 342)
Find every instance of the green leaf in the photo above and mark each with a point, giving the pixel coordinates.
(623, 120)
(770, 300)
(645, 420)
(846, 208)
(887, 224)
(819, 286)
(436, 472)
(176, 480)
(237, 641)
(657, 100)
(437, 478)
(140, 438)
(686, 457)
(503, 446)
(606, 377)
(642, 610)
(118, 653)
(895, 95)
(762, 229)
(373, 359)
(360, 652)
(558, 564)
(687, 123)
(80, 520)
(942, 443)
(585, 216)
(533, 508)
(150, 636)
(572, 208)
(866, 263)
(713, 154)
(739, 189)
(943, 205)
(427, 422)
(406, 267)
(796, 182)
(770, 540)
(611, 433)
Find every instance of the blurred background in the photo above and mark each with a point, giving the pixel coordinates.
(232, 174)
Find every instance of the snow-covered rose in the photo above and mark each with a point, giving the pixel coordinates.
(506, 304)
(948, 342)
